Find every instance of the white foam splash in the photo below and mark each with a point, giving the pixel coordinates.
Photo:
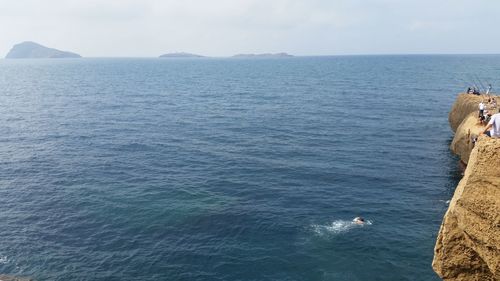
(336, 227)
(3, 259)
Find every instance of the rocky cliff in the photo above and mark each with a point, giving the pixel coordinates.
(464, 122)
(468, 244)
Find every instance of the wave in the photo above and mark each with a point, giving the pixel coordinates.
(3, 259)
(337, 227)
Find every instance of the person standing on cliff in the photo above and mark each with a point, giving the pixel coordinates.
(488, 91)
(494, 125)
(481, 109)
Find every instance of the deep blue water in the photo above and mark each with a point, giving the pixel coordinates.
(226, 169)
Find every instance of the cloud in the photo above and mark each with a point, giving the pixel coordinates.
(224, 27)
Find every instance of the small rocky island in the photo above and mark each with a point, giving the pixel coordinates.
(32, 50)
(181, 55)
(267, 55)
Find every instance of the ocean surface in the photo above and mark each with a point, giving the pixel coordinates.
(228, 169)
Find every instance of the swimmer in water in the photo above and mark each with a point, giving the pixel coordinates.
(358, 220)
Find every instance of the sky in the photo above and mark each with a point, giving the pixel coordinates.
(149, 28)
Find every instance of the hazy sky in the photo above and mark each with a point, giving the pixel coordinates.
(225, 27)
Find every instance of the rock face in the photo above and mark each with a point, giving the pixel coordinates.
(181, 55)
(463, 106)
(463, 120)
(32, 50)
(468, 244)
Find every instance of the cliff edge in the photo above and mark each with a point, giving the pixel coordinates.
(463, 120)
(468, 244)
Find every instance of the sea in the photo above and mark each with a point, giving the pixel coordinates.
(228, 169)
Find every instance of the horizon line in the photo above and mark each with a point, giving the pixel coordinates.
(289, 57)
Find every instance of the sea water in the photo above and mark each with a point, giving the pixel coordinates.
(228, 169)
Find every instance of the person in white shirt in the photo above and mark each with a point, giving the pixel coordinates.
(481, 109)
(494, 125)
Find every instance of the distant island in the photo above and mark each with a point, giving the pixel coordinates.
(181, 55)
(32, 50)
(277, 55)
(265, 55)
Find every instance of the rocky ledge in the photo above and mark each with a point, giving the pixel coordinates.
(468, 244)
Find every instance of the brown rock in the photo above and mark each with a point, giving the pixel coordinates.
(14, 278)
(463, 106)
(468, 244)
(464, 121)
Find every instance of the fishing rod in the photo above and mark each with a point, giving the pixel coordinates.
(473, 82)
(459, 79)
(470, 82)
(467, 83)
(484, 88)
(478, 85)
